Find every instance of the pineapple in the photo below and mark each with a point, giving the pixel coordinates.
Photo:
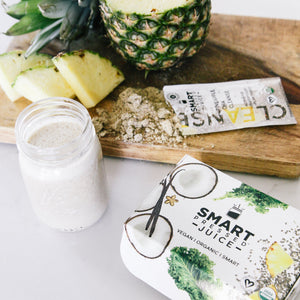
(152, 35)
(156, 34)
(14, 62)
(277, 259)
(91, 77)
(42, 82)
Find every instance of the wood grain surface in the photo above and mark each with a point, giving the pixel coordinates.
(237, 48)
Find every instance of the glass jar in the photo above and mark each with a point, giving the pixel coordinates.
(61, 163)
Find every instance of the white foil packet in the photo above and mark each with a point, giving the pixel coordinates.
(213, 107)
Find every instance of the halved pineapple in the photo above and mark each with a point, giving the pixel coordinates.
(91, 76)
(156, 34)
(42, 82)
(13, 63)
(277, 259)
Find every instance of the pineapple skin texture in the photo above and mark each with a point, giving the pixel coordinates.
(159, 40)
(91, 76)
(13, 63)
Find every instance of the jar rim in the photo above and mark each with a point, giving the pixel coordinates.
(45, 107)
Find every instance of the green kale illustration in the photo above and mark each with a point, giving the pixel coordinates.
(190, 270)
(261, 201)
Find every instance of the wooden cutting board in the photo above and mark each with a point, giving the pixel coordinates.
(237, 48)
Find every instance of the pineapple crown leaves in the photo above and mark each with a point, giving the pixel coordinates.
(66, 19)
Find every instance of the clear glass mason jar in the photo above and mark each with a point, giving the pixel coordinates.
(61, 162)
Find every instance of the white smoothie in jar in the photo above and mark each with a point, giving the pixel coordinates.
(65, 176)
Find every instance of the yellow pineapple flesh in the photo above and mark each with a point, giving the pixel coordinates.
(277, 259)
(12, 64)
(42, 82)
(90, 76)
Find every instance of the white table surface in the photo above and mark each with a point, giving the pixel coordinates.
(39, 263)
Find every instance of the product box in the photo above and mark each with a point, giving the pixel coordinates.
(202, 235)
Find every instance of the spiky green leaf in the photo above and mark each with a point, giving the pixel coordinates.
(54, 9)
(95, 18)
(29, 23)
(75, 22)
(44, 37)
(23, 8)
(84, 3)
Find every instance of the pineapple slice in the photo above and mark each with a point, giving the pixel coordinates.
(92, 77)
(277, 259)
(14, 62)
(42, 82)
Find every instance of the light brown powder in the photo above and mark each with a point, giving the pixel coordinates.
(140, 116)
